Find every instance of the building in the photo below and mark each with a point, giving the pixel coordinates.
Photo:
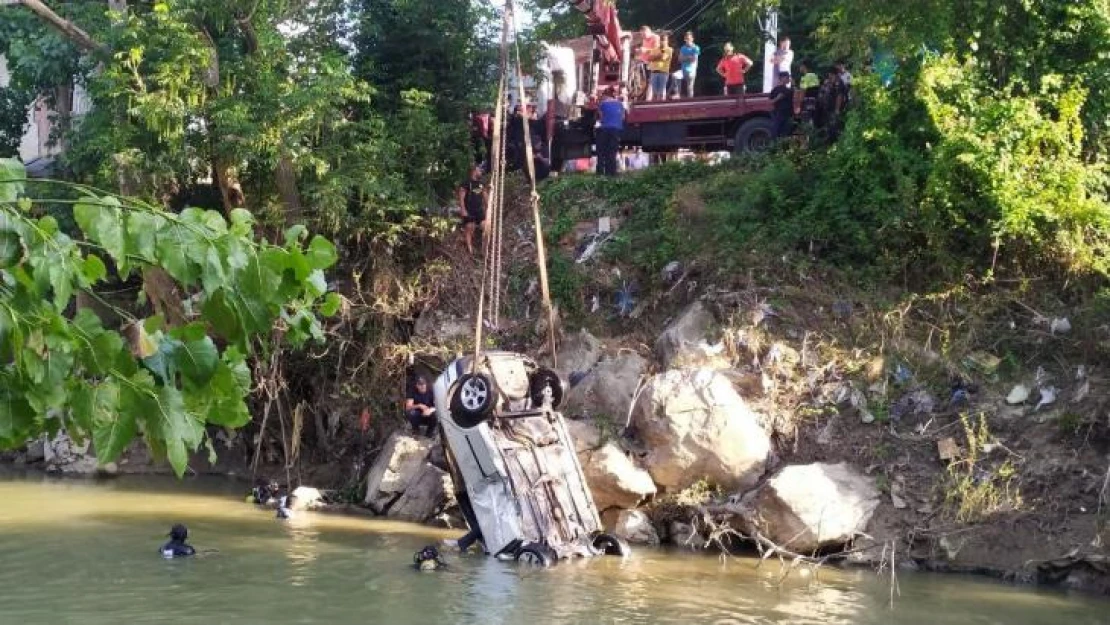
(36, 142)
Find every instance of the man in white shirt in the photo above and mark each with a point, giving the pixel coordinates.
(784, 57)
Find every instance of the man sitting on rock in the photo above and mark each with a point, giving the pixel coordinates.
(420, 407)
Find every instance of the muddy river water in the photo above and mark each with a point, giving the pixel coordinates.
(85, 552)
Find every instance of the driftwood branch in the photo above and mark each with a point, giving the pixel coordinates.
(68, 29)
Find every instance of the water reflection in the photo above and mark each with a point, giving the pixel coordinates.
(85, 552)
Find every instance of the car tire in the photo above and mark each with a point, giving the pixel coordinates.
(754, 136)
(472, 401)
(610, 545)
(542, 379)
(536, 555)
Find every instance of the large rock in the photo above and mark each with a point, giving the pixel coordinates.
(607, 391)
(695, 425)
(807, 507)
(65, 455)
(396, 468)
(439, 326)
(615, 480)
(586, 435)
(427, 495)
(635, 527)
(684, 344)
(578, 353)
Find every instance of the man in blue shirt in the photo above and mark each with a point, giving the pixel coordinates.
(688, 57)
(607, 139)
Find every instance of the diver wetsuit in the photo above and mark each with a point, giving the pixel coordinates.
(177, 547)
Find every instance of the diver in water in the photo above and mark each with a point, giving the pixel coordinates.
(177, 547)
(285, 508)
(427, 559)
(263, 492)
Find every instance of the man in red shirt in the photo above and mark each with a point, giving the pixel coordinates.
(732, 68)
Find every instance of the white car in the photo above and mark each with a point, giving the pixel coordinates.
(512, 459)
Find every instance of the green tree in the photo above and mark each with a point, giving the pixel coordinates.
(166, 377)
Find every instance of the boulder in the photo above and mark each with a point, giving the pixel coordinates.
(807, 507)
(395, 469)
(586, 436)
(428, 494)
(695, 425)
(65, 455)
(36, 451)
(440, 326)
(635, 527)
(578, 353)
(608, 389)
(614, 479)
(683, 343)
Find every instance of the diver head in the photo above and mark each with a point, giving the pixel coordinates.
(179, 533)
(427, 559)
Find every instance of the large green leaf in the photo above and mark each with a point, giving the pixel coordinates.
(101, 219)
(12, 178)
(197, 359)
(16, 418)
(161, 409)
(321, 253)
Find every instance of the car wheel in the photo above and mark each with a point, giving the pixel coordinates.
(473, 400)
(610, 545)
(754, 136)
(542, 380)
(536, 555)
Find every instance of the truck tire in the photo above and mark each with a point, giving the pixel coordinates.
(541, 380)
(536, 554)
(473, 400)
(753, 136)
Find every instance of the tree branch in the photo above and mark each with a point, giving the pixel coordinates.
(67, 28)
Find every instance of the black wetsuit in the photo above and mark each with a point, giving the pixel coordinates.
(177, 549)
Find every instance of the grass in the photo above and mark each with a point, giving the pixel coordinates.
(975, 488)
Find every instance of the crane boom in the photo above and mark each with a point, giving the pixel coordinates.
(603, 24)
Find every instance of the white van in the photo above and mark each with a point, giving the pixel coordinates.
(513, 461)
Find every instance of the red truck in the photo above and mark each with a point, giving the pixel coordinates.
(715, 123)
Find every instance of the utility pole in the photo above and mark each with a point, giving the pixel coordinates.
(769, 25)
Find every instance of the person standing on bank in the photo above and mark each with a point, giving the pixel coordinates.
(472, 205)
(732, 68)
(420, 407)
(660, 68)
(782, 116)
(688, 57)
(784, 57)
(608, 136)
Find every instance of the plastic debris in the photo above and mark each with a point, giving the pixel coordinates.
(576, 377)
(604, 225)
(1060, 325)
(899, 503)
(916, 403)
(671, 271)
(595, 303)
(959, 397)
(842, 309)
(1081, 372)
(1041, 376)
(1018, 395)
(983, 362)
(859, 402)
(1081, 392)
(626, 303)
(1048, 397)
(947, 449)
(902, 374)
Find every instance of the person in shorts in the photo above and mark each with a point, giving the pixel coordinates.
(472, 205)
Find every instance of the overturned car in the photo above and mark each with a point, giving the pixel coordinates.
(513, 461)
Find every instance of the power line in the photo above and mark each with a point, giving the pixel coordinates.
(696, 15)
(683, 13)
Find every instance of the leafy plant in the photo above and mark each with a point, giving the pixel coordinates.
(167, 376)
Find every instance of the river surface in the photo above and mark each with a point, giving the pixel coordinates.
(86, 552)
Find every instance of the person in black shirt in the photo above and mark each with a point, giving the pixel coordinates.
(420, 407)
(472, 205)
(782, 97)
(177, 547)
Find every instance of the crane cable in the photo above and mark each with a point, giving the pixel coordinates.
(530, 165)
(496, 183)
